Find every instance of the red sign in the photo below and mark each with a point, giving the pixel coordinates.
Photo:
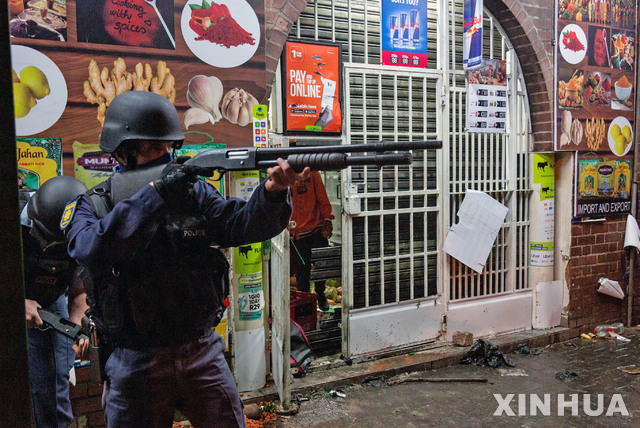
(312, 86)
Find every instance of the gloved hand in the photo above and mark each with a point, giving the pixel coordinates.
(175, 185)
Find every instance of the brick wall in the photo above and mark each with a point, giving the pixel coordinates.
(529, 26)
(596, 252)
(86, 400)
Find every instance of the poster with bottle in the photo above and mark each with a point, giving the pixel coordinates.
(312, 88)
(39, 159)
(404, 33)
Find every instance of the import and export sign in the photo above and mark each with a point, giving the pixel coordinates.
(404, 33)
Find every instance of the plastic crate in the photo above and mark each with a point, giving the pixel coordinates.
(303, 309)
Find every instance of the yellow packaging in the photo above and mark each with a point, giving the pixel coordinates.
(588, 177)
(91, 165)
(622, 179)
(39, 159)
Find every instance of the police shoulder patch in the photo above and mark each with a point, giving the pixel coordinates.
(67, 214)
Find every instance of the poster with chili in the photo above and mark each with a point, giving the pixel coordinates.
(75, 79)
(595, 74)
(312, 88)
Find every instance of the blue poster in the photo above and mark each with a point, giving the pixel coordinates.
(472, 37)
(404, 33)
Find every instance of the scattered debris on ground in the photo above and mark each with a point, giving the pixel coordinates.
(567, 376)
(484, 353)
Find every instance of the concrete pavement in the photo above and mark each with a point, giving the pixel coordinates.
(387, 398)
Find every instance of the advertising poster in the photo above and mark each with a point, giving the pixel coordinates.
(312, 86)
(404, 33)
(542, 238)
(250, 297)
(472, 33)
(487, 97)
(595, 93)
(603, 185)
(70, 58)
(39, 159)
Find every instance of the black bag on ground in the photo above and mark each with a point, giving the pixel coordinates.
(483, 353)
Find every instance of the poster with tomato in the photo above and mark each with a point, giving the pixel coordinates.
(596, 74)
(312, 88)
(147, 23)
(595, 90)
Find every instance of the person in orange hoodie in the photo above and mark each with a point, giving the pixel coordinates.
(312, 228)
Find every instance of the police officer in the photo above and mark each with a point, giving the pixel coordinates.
(49, 274)
(158, 282)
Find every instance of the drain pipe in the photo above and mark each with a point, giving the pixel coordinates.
(634, 203)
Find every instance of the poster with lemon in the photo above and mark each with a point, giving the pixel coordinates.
(39, 91)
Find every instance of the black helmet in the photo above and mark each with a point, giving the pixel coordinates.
(140, 115)
(47, 205)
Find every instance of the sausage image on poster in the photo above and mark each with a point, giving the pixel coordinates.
(312, 85)
(146, 23)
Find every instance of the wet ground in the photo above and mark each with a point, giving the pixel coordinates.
(582, 370)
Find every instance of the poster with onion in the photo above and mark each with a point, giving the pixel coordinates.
(595, 75)
(207, 57)
(595, 94)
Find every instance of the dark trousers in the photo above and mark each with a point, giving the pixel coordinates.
(301, 262)
(144, 387)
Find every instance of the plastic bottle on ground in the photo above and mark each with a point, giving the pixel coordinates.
(601, 330)
(617, 327)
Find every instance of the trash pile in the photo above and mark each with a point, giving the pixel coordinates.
(606, 331)
(484, 353)
(265, 417)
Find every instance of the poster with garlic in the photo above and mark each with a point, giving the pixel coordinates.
(142, 45)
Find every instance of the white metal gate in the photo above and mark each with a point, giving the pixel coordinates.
(397, 284)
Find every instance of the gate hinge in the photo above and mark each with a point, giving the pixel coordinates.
(443, 322)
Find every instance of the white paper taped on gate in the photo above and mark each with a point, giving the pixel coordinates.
(632, 233)
(610, 288)
(480, 218)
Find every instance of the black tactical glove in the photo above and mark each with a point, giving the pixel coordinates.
(175, 185)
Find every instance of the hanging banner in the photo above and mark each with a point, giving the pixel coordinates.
(472, 33)
(487, 97)
(542, 236)
(312, 88)
(403, 42)
(39, 159)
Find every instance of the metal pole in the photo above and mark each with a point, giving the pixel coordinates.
(634, 201)
(15, 407)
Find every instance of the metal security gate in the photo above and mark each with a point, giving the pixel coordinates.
(397, 283)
